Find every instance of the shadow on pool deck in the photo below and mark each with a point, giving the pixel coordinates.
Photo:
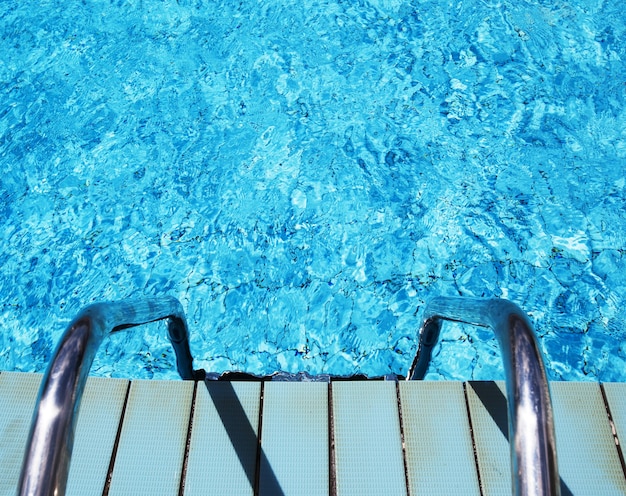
(241, 433)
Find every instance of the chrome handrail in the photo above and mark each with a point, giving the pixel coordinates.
(531, 423)
(49, 446)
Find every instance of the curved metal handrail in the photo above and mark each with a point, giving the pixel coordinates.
(49, 446)
(531, 424)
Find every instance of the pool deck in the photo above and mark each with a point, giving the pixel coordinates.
(311, 438)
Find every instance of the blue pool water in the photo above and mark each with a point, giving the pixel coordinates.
(303, 178)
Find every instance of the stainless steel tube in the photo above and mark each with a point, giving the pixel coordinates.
(49, 446)
(531, 425)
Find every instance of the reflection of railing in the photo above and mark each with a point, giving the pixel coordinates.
(49, 447)
(531, 426)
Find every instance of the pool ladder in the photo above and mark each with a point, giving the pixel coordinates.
(531, 427)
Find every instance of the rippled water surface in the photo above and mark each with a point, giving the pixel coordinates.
(303, 178)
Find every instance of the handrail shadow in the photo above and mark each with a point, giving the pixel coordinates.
(494, 402)
(534, 467)
(49, 446)
(258, 470)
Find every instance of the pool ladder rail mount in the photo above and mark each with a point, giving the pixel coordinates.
(531, 425)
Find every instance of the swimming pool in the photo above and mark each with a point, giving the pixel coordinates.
(303, 178)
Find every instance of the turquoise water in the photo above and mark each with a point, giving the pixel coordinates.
(303, 178)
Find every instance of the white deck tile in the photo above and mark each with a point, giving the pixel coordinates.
(439, 452)
(18, 394)
(295, 439)
(152, 443)
(492, 447)
(587, 455)
(368, 452)
(98, 422)
(223, 447)
(368, 449)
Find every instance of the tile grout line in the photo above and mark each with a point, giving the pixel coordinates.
(332, 467)
(183, 473)
(107, 483)
(402, 442)
(259, 450)
(474, 448)
(613, 429)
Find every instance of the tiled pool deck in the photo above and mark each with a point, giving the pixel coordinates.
(309, 438)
